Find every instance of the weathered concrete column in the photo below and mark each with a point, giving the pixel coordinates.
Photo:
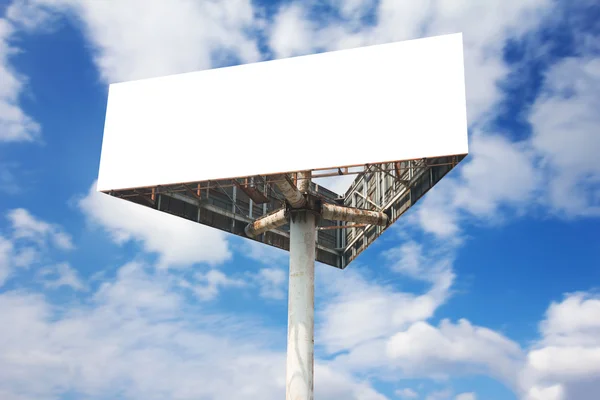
(301, 303)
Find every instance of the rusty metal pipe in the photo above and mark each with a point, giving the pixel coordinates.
(291, 193)
(349, 214)
(266, 223)
(304, 178)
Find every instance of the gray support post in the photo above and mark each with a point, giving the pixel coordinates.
(301, 303)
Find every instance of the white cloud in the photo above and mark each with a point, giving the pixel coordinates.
(437, 214)
(574, 320)
(140, 39)
(138, 338)
(378, 311)
(406, 393)
(272, 279)
(500, 172)
(565, 362)
(24, 256)
(573, 362)
(60, 275)
(554, 392)
(292, 32)
(408, 259)
(454, 349)
(565, 124)
(177, 241)
(331, 384)
(26, 226)
(135, 291)
(207, 285)
(466, 396)
(15, 124)
(25, 243)
(272, 283)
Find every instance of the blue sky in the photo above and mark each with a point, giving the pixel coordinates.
(487, 289)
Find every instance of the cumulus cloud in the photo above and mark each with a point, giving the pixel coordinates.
(378, 311)
(466, 396)
(461, 348)
(409, 259)
(272, 283)
(26, 226)
(554, 392)
(141, 39)
(292, 32)
(271, 280)
(178, 242)
(499, 174)
(565, 363)
(565, 124)
(15, 124)
(208, 285)
(60, 275)
(138, 338)
(27, 242)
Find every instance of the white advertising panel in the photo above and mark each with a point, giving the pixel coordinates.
(389, 102)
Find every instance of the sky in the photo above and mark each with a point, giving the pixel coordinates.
(487, 289)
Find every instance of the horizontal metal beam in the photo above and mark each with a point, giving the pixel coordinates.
(266, 223)
(334, 212)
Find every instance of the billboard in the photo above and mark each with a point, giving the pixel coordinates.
(210, 146)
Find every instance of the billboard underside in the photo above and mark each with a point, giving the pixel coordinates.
(230, 204)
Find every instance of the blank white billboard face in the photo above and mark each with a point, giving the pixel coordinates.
(397, 101)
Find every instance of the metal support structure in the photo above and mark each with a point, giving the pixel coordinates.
(301, 302)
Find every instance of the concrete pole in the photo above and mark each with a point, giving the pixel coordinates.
(301, 303)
